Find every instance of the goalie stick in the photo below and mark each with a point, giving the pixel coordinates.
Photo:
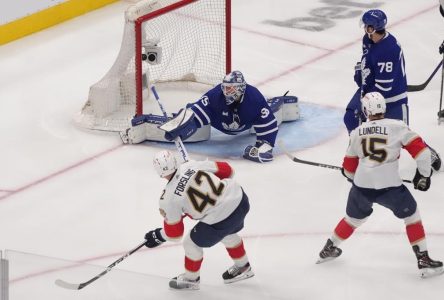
(312, 163)
(178, 141)
(79, 286)
(420, 87)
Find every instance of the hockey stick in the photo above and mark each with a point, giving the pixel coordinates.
(178, 141)
(441, 114)
(312, 163)
(420, 87)
(79, 286)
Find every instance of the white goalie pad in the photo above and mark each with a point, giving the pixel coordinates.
(149, 131)
(285, 109)
(290, 111)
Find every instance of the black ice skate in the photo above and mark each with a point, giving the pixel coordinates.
(436, 160)
(182, 283)
(329, 252)
(427, 266)
(236, 273)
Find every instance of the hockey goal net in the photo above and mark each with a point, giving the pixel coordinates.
(173, 44)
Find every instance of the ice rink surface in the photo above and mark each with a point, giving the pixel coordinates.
(71, 195)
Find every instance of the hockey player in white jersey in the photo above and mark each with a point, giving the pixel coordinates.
(203, 191)
(371, 163)
(382, 69)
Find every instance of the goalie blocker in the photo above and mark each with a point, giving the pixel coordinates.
(182, 125)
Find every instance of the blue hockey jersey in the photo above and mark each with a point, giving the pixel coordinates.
(383, 69)
(252, 111)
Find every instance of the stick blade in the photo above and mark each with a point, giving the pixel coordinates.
(415, 88)
(67, 285)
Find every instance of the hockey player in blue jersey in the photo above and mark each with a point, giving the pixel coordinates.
(230, 107)
(381, 69)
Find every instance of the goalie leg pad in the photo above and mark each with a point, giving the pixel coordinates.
(285, 108)
(290, 109)
(134, 135)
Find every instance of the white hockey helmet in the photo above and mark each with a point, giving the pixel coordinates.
(165, 163)
(372, 104)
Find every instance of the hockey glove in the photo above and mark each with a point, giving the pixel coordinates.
(420, 182)
(154, 238)
(182, 125)
(261, 152)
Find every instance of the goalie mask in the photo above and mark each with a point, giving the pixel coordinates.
(233, 87)
(372, 104)
(165, 163)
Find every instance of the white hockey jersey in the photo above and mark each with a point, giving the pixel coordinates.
(373, 153)
(201, 190)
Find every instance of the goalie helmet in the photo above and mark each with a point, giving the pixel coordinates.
(372, 104)
(375, 18)
(165, 163)
(233, 87)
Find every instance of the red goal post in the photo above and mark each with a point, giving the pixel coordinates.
(165, 42)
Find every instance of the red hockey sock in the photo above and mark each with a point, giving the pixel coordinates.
(192, 265)
(415, 232)
(344, 230)
(237, 252)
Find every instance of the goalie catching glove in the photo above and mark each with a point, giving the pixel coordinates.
(261, 152)
(181, 125)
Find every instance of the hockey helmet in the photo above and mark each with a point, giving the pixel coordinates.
(165, 163)
(233, 87)
(375, 18)
(373, 103)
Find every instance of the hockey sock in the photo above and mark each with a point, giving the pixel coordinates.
(342, 232)
(192, 268)
(416, 235)
(238, 254)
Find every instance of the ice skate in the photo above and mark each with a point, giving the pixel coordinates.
(182, 283)
(236, 273)
(329, 252)
(427, 266)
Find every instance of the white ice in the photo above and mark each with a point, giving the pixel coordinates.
(77, 195)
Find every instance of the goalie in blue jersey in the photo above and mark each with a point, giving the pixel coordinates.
(230, 107)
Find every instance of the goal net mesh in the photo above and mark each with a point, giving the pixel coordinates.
(192, 36)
